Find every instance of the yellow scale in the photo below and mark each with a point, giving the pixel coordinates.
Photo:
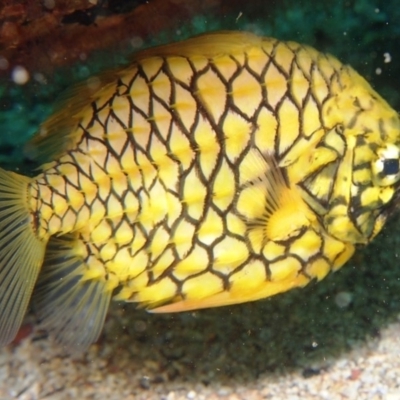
(218, 170)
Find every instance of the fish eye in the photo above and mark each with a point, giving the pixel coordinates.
(386, 168)
(391, 166)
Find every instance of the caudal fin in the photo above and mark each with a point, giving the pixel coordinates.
(21, 254)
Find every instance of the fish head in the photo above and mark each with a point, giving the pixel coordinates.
(367, 182)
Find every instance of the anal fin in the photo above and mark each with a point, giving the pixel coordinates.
(69, 307)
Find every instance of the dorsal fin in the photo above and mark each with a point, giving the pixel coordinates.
(209, 44)
(58, 134)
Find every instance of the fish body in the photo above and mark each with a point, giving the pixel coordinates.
(222, 169)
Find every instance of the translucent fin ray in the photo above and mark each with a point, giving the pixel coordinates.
(69, 308)
(269, 184)
(59, 132)
(205, 45)
(21, 254)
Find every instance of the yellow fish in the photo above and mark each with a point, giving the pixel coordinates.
(218, 170)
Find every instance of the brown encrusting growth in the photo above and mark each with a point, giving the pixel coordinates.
(41, 35)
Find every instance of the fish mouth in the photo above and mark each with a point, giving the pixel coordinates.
(392, 206)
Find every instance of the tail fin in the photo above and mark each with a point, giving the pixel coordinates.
(21, 254)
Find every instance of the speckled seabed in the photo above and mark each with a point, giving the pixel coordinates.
(338, 339)
(37, 370)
